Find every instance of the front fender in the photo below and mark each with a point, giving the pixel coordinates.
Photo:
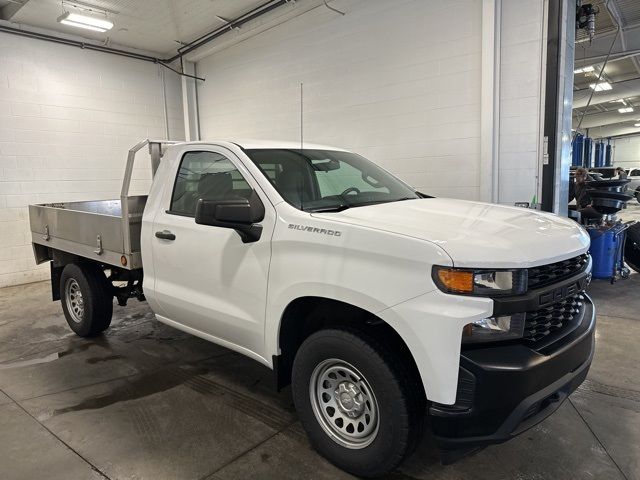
(431, 327)
(367, 268)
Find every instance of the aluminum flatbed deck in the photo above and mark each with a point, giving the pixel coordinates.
(107, 231)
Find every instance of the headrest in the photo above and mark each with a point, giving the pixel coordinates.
(213, 185)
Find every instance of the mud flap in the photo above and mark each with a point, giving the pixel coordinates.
(56, 272)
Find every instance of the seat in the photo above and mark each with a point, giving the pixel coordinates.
(212, 186)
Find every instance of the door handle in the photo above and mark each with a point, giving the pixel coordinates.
(165, 235)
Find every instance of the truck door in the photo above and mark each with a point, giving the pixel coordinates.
(206, 278)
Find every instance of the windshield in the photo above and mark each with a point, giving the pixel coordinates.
(317, 180)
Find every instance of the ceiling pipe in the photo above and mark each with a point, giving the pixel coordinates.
(237, 23)
(75, 43)
(615, 14)
(624, 89)
(601, 119)
(614, 57)
(182, 51)
(613, 131)
(624, 135)
(91, 46)
(604, 65)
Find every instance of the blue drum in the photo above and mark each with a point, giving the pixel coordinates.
(607, 249)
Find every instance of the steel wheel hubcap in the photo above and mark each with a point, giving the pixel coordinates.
(344, 403)
(75, 302)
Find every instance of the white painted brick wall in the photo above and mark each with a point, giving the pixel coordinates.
(626, 152)
(521, 79)
(398, 82)
(67, 118)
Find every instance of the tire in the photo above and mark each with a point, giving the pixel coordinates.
(638, 194)
(632, 247)
(86, 298)
(389, 418)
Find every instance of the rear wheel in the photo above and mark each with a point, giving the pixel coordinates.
(361, 410)
(87, 299)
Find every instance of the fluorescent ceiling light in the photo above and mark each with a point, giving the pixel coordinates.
(82, 25)
(587, 69)
(601, 86)
(636, 124)
(85, 21)
(625, 110)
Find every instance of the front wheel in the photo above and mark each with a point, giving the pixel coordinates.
(87, 299)
(360, 408)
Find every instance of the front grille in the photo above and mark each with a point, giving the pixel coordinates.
(550, 323)
(555, 272)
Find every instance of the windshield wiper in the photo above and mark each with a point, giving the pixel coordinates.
(341, 207)
(336, 208)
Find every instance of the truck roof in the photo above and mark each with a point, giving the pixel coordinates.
(266, 144)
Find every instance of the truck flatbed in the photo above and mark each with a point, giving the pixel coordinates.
(107, 231)
(93, 229)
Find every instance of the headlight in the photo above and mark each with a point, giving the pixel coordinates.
(494, 329)
(488, 283)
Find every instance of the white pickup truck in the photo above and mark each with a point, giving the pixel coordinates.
(381, 306)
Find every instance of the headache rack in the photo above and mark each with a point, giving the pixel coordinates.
(107, 231)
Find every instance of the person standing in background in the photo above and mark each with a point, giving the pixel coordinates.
(579, 190)
(622, 173)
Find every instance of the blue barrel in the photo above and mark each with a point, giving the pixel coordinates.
(577, 150)
(608, 156)
(605, 250)
(598, 158)
(588, 147)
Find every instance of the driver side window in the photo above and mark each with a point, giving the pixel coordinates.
(206, 175)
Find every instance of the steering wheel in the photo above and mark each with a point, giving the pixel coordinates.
(350, 190)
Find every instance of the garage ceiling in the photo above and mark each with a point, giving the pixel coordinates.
(158, 26)
(622, 72)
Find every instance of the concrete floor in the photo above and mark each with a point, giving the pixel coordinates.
(146, 401)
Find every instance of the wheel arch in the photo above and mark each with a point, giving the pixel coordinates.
(308, 314)
(58, 260)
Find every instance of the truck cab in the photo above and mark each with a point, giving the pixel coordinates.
(380, 305)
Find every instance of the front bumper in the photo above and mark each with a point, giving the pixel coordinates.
(504, 390)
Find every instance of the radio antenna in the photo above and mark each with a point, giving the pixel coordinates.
(301, 116)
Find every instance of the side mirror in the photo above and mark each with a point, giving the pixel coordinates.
(239, 214)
